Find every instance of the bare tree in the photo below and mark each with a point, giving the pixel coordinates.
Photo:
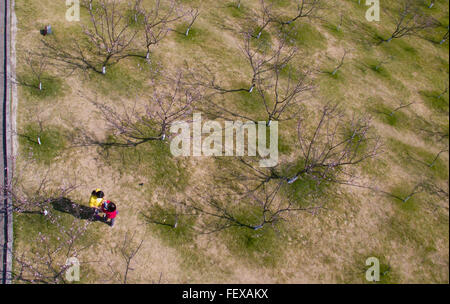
(105, 42)
(36, 200)
(36, 64)
(194, 13)
(305, 9)
(329, 151)
(266, 15)
(444, 38)
(223, 208)
(262, 20)
(431, 163)
(418, 188)
(280, 89)
(173, 99)
(156, 21)
(129, 251)
(409, 21)
(445, 91)
(261, 60)
(110, 32)
(339, 65)
(47, 260)
(249, 198)
(401, 106)
(382, 62)
(335, 146)
(432, 129)
(282, 100)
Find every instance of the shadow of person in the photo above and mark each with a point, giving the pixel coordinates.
(79, 211)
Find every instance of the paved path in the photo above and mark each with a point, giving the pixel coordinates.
(5, 215)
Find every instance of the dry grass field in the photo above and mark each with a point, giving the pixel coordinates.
(400, 85)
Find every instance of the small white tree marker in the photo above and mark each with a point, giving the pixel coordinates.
(39, 141)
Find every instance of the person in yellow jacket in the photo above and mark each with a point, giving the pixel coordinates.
(96, 200)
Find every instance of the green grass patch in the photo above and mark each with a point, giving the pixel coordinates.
(284, 145)
(152, 161)
(418, 160)
(196, 35)
(263, 42)
(172, 227)
(236, 12)
(250, 103)
(334, 30)
(262, 248)
(280, 3)
(135, 20)
(51, 86)
(379, 70)
(403, 51)
(436, 100)
(51, 138)
(387, 115)
(305, 188)
(118, 80)
(405, 201)
(29, 227)
(304, 35)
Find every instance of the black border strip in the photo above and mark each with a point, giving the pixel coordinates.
(5, 149)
